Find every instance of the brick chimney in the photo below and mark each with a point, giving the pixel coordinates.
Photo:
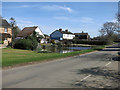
(60, 29)
(66, 30)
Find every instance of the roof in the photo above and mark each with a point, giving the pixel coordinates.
(27, 31)
(80, 33)
(4, 23)
(65, 32)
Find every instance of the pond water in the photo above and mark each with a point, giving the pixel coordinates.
(65, 49)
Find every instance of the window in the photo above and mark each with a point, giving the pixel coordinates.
(67, 35)
(5, 30)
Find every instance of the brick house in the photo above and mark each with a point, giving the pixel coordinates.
(6, 32)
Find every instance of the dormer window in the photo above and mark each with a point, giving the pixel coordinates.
(5, 30)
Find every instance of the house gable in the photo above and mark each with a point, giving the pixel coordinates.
(27, 31)
(38, 30)
(57, 35)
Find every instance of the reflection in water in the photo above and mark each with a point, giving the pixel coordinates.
(65, 49)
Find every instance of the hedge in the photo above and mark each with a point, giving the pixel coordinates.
(90, 42)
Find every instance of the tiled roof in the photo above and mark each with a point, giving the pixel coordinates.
(80, 33)
(26, 31)
(65, 32)
(4, 23)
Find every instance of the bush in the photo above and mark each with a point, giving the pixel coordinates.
(23, 44)
(110, 41)
(34, 42)
(93, 42)
(29, 43)
(1, 42)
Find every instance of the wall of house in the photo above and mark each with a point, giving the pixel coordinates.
(56, 35)
(68, 36)
(39, 31)
(9, 31)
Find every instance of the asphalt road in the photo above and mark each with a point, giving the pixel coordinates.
(94, 70)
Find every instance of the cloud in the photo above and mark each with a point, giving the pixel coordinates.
(75, 19)
(61, 18)
(56, 8)
(23, 6)
(22, 22)
(87, 20)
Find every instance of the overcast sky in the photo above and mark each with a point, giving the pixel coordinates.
(49, 16)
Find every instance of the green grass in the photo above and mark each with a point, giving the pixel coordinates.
(11, 57)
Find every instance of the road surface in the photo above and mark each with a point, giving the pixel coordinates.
(94, 70)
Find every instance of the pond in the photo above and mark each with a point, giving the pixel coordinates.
(65, 49)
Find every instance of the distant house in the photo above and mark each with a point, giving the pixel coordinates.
(27, 31)
(61, 35)
(5, 32)
(46, 39)
(82, 35)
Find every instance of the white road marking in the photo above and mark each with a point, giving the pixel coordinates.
(108, 64)
(85, 77)
(88, 53)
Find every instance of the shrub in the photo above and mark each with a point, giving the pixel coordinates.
(1, 42)
(23, 44)
(93, 42)
(109, 41)
(29, 43)
(34, 42)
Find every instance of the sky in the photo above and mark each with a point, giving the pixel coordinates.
(50, 16)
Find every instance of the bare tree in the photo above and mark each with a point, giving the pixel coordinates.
(109, 28)
(102, 32)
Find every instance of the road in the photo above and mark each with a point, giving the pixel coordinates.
(94, 70)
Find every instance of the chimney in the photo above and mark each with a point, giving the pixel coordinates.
(66, 30)
(60, 29)
(82, 31)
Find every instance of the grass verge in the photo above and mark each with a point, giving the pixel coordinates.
(11, 57)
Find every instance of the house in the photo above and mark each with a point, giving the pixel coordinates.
(83, 36)
(5, 32)
(46, 39)
(61, 35)
(27, 31)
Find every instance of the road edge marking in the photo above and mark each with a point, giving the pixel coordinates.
(85, 77)
(108, 63)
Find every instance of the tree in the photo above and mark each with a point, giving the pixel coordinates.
(29, 43)
(108, 28)
(15, 30)
(102, 32)
(12, 22)
(33, 39)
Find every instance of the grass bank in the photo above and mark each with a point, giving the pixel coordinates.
(11, 57)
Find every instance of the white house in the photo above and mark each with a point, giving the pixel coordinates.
(60, 35)
(27, 31)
